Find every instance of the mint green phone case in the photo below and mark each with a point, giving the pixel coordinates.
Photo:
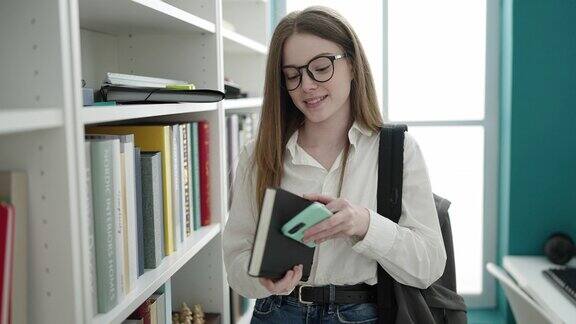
(307, 218)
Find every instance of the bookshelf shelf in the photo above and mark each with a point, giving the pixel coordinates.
(117, 16)
(148, 283)
(20, 120)
(237, 43)
(242, 105)
(94, 115)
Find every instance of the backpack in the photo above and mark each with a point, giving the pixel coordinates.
(398, 303)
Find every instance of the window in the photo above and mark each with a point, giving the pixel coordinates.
(436, 69)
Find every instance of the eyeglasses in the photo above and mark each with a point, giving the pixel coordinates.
(320, 69)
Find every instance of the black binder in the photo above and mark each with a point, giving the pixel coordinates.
(140, 95)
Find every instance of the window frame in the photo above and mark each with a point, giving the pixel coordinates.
(490, 123)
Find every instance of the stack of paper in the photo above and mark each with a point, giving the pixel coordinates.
(119, 79)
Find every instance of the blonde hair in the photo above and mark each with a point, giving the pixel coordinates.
(280, 118)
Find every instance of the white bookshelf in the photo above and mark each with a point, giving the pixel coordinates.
(140, 16)
(237, 43)
(240, 106)
(151, 280)
(54, 45)
(94, 115)
(22, 120)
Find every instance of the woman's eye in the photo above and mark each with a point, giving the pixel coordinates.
(322, 69)
(292, 77)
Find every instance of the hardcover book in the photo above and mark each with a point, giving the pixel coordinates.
(195, 168)
(204, 160)
(6, 259)
(152, 208)
(273, 253)
(14, 189)
(104, 175)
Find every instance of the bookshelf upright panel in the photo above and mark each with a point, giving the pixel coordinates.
(52, 242)
(31, 55)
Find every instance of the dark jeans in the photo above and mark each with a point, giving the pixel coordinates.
(285, 309)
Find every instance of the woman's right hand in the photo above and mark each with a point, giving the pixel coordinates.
(285, 285)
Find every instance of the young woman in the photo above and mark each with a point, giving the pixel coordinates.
(318, 137)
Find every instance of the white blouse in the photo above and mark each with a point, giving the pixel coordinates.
(412, 251)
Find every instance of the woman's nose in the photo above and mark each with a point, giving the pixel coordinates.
(307, 82)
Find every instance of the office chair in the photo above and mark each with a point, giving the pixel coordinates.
(524, 308)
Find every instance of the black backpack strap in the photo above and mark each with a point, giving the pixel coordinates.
(389, 196)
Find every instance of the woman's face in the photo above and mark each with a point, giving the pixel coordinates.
(318, 101)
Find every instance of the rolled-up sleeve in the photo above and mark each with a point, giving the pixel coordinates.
(238, 237)
(412, 251)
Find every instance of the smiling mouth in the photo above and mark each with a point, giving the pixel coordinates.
(315, 100)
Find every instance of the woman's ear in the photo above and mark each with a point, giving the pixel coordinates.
(352, 71)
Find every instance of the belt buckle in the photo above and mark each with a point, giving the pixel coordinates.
(300, 295)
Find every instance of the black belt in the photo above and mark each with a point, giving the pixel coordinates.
(356, 294)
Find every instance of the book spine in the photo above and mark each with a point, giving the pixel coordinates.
(177, 220)
(190, 177)
(14, 186)
(168, 293)
(131, 212)
(153, 212)
(185, 176)
(7, 215)
(90, 224)
(121, 236)
(204, 145)
(104, 223)
(196, 175)
(139, 216)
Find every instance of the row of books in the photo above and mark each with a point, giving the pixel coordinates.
(157, 309)
(13, 247)
(148, 192)
(240, 129)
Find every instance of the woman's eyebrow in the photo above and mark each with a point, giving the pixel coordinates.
(321, 54)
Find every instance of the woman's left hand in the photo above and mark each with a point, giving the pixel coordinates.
(347, 220)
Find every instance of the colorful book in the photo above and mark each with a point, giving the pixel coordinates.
(6, 259)
(14, 190)
(142, 312)
(185, 176)
(204, 159)
(152, 138)
(195, 174)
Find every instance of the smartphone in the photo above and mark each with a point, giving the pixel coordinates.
(307, 218)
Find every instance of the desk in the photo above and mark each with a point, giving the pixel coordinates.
(527, 271)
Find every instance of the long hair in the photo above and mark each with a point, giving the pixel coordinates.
(280, 118)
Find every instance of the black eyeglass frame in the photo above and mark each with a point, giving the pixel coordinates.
(331, 57)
